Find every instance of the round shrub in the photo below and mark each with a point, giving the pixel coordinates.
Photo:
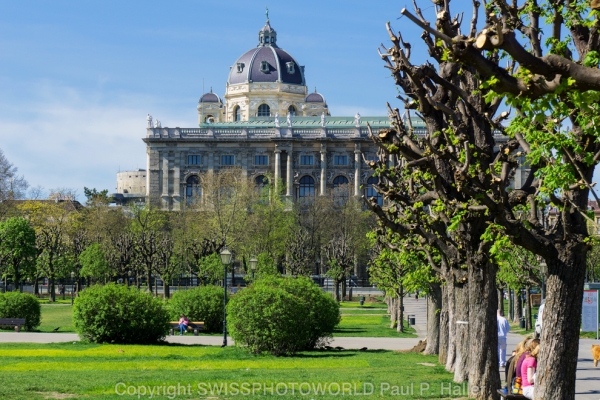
(21, 305)
(323, 310)
(118, 314)
(267, 319)
(204, 303)
(313, 315)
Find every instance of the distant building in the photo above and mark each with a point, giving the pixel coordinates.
(267, 124)
(131, 187)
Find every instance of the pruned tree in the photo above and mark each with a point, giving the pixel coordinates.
(552, 81)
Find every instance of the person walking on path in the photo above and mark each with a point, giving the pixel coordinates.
(503, 329)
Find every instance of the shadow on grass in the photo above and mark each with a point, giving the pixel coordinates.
(348, 330)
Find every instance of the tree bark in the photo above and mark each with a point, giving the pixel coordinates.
(400, 310)
(501, 300)
(166, 289)
(337, 290)
(557, 362)
(434, 305)
(344, 289)
(393, 312)
(451, 360)
(36, 286)
(528, 324)
(461, 310)
(52, 290)
(518, 305)
(484, 376)
(444, 331)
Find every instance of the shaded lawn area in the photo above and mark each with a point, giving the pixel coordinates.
(370, 326)
(38, 371)
(367, 305)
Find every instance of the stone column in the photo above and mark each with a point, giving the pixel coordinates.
(165, 180)
(177, 180)
(323, 169)
(277, 169)
(290, 163)
(357, 164)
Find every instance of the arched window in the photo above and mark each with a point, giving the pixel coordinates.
(340, 189)
(209, 119)
(237, 113)
(292, 111)
(264, 110)
(193, 191)
(306, 187)
(371, 192)
(340, 180)
(261, 182)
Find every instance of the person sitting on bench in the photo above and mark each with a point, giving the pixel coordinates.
(183, 324)
(528, 372)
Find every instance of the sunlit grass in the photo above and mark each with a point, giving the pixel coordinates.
(38, 371)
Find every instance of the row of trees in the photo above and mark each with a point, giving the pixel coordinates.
(527, 72)
(55, 239)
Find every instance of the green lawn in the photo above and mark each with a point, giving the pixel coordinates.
(56, 316)
(370, 326)
(38, 371)
(367, 305)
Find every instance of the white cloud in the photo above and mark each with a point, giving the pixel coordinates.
(66, 138)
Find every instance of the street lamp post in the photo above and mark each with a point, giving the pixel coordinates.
(253, 262)
(543, 272)
(72, 287)
(225, 260)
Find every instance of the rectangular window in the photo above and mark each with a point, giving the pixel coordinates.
(194, 160)
(261, 160)
(227, 160)
(306, 160)
(340, 160)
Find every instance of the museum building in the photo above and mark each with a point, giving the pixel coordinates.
(266, 124)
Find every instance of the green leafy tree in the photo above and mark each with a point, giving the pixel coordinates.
(94, 263)
(17, 249)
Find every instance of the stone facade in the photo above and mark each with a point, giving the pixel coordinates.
(306, 149)
(133, 182)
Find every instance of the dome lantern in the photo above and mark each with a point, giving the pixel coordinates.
(267, 36)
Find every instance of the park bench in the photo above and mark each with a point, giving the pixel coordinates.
(10, 322)
(510, 396)
(194, 327)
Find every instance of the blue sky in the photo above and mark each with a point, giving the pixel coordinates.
(77, 78)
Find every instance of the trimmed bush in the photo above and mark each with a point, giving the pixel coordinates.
(118, 314)
(204, 303)
(21, 305)
(282, 316)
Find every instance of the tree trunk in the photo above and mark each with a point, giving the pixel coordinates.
(528, 324)
(166, 289)
(484, 376)
(562, 321)
(461, 310)
(444, 331)
(511, 307)
(434, 305)
(36, 286)
(400, 327)
(393, 312)
(336, 289)
(52, 290)
(501, 300)
(518, 305)
(451, 360)
(344, 289)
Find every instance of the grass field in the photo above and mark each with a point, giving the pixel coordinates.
(57, 316)
(360, 322)
(76, 370)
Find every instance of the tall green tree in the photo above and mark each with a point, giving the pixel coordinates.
(17, 249)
